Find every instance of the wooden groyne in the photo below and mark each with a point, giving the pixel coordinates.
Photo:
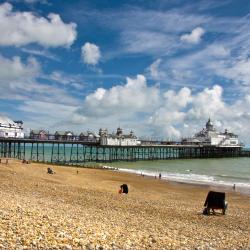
(76, 152)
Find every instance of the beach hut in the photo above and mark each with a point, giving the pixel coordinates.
(39, 134)
(59, 135)
(83, 136)
(69, 136)
(64, 135)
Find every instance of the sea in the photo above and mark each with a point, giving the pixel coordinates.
(224, 173)
(228, 173)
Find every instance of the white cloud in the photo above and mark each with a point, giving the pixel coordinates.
(90, 53)
(207, 103)
(42, 53)
(18, 80)
(73, 81)
(194, 37)
(34, 1)
(180, 99)
(154, 70)
(51, 115)
(237, 70)
(14, 70)
(21, 28)
(130, 98)
(148, 42)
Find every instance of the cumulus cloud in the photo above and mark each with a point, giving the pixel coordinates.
(194, 37)
(208, 102)
(21, 28)
(90, 53)
(130, 98)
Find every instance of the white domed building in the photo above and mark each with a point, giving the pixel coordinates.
(10, 129)
(209, 136)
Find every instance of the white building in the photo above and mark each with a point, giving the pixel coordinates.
(209, 136)
(11, 129)
(118, 138)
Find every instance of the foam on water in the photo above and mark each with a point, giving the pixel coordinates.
(193, 179)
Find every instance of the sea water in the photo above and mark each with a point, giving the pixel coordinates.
(224, 172)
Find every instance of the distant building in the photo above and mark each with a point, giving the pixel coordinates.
(89, 137)
(39, 134)
(64, 135)
(118, 138)
(11, 129)
(209, 136)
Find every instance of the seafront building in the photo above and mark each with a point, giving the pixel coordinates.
(118, 138)
(209, 136)
(11, 129)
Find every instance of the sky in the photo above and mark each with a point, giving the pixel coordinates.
(160, 68)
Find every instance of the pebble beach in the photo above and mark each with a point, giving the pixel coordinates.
(80, 208)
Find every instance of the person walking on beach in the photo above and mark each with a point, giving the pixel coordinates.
(159, 175)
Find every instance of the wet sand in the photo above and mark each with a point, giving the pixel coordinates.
(70, 210)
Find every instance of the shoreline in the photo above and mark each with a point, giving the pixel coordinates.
(227, 187)
(216, 185)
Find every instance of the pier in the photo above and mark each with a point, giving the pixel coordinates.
(73, 152)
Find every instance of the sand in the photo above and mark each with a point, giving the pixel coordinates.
(70, 210)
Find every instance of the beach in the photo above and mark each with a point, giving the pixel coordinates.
(80, 208)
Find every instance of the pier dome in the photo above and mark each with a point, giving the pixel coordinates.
(209, 125)
(119, 131)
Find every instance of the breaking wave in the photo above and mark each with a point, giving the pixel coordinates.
(192, 178)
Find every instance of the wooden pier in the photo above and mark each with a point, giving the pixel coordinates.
(77, 152)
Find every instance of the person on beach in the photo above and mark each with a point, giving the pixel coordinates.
(123, 189)
(234, 187)
(159, 175)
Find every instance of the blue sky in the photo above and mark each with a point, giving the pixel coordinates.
(160, 68)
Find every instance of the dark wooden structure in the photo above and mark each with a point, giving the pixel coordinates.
(75, 151)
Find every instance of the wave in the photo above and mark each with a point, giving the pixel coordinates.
(233, 177)
(195, 179)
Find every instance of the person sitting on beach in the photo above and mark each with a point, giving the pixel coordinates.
(50, 171)
(123, 189)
